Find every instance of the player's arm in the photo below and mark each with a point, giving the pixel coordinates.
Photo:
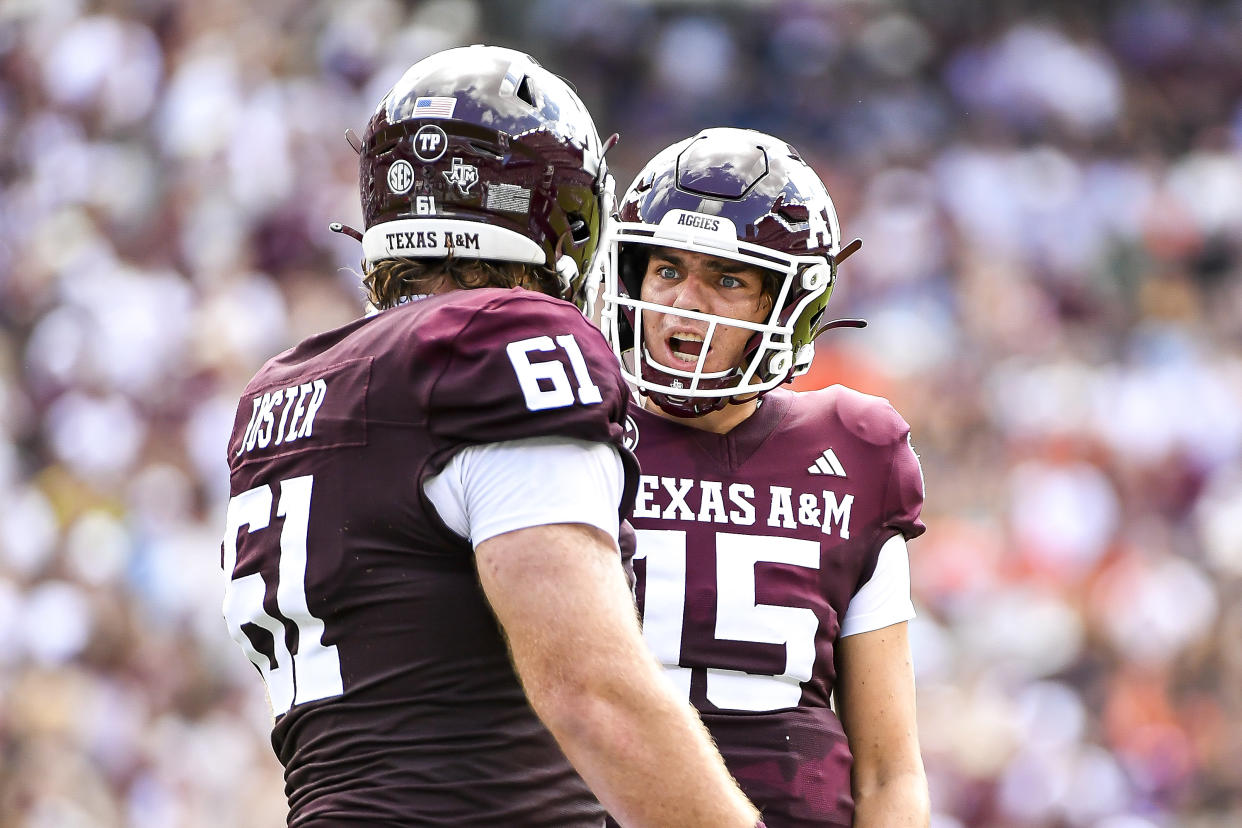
(876, 704)
(560, 593)
(876, 700)
(542, 516)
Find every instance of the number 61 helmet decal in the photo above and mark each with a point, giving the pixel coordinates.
(736, 194)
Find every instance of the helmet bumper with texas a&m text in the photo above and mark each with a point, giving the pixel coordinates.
(481, 153)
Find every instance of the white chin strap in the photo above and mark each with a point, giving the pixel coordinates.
(566, 272)
(432, 238)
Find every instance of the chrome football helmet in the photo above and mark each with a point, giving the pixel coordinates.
(479, 152)
(736, 194)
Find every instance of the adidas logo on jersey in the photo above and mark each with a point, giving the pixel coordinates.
(827, 463)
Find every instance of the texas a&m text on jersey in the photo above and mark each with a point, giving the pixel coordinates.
(770, 524)
(747, 560)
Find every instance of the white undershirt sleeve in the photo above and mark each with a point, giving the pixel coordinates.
(487, 490)
(885, 598)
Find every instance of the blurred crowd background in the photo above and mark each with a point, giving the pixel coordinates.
(1050, 196)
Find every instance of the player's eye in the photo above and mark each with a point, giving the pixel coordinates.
(731, 282)
(666, 271)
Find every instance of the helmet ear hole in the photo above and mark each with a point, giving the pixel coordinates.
(579, 229)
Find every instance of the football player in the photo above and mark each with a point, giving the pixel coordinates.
(422, 538)
(772, 525)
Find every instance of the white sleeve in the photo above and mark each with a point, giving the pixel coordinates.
(490, 489)
(885, 598)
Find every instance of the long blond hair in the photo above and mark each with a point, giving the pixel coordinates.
(389, 280)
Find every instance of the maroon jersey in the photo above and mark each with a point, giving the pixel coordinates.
(750, 546)
(394, 695)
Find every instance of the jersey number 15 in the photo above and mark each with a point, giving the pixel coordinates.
(739, 616)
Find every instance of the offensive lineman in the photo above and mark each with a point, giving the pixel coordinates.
(421, 542)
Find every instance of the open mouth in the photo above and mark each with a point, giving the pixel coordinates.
(686, 347)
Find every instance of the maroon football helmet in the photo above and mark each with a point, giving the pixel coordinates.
(480, 152)
(737, 194)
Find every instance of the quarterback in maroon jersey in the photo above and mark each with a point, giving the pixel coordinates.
(773, 577)
(422, 539)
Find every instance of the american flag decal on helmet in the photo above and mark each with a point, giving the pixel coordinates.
(434, 107)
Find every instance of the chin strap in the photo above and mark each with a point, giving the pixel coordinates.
(345, 229)
(603, 181)
(843, 254)
(566, 273)
(838, 323)
(565, 267)
(847, 251)
(336, 226)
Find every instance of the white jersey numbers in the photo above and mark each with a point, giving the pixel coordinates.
(314, 671)
(559, 393)
(738, 615)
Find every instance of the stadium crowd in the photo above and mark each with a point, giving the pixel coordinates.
(1050, 197)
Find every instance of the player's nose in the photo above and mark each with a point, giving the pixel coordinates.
(690, 295)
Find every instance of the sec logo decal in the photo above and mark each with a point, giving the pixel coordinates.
(400, 177)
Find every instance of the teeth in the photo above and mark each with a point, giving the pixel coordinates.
(687, 347)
